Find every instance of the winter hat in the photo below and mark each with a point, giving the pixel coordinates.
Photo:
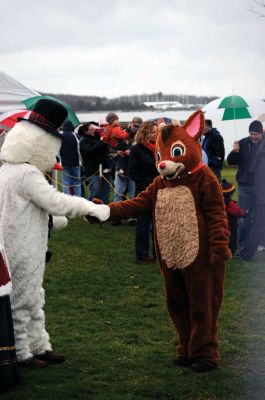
(111, 117)
(228, 188)
(68, 126)
(255, 127)
(103, 121)
(48, 115)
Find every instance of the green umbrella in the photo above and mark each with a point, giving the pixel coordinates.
(29, 103)
(233, 108)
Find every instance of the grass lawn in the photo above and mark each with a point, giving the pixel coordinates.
(106, 313)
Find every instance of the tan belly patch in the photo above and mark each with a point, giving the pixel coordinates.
(177, 226)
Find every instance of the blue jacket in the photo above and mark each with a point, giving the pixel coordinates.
(69, 151)
(213, 145)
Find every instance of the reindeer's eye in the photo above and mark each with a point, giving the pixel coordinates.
(177, 151)
(158, 156)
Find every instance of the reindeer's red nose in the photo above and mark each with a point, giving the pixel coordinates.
(162, 165)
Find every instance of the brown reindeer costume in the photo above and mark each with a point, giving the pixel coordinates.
(191, 237)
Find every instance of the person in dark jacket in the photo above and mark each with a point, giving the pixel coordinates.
(213, 145)
(142, 170)
(69, 154)
(94, 154)
(242, 155)
(256, 235)
(125, 185)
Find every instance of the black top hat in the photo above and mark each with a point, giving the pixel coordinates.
(48, 115)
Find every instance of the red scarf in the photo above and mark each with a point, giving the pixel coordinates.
(151, 146)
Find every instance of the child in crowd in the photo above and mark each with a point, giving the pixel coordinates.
(233, 213)
(117, 138)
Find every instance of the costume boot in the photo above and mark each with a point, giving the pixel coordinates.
(51, 356)
(33, 363)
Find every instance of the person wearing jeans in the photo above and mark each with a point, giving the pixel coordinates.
(94, 153)
(99, 188)
(123, 185)
(256, 236)
(242, 155)
(71, 180)
(69, 153)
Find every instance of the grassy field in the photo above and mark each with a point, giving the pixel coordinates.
(106, 313)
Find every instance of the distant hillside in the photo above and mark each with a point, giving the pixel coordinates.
(129, 103)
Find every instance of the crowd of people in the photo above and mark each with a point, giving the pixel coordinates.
(101, 157)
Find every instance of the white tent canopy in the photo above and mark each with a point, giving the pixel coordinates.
(12, 93)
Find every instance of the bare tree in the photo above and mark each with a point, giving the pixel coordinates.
(258, 7)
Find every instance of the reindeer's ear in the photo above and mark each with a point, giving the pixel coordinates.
(194, 125)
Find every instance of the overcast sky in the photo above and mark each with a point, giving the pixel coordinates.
(117, 47)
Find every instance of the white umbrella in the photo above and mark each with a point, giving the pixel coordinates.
(261, 117)
(233, 108)
(12, 93)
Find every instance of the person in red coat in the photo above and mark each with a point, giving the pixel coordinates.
(117, 138)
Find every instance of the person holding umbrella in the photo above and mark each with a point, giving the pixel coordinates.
(242, 155)
(256, 237)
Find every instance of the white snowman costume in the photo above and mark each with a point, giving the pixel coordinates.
(26, 199)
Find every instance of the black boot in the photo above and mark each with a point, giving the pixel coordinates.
(51, 356)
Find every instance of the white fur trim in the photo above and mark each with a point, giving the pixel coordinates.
(5, 290)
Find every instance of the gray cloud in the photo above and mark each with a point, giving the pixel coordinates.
(118, 47)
